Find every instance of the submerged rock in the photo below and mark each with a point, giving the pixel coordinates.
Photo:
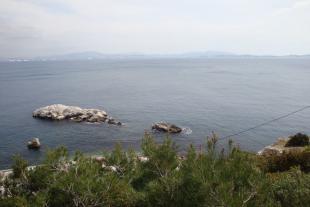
(62, 112)
(166, 127)
(113, 121)
(34, 143)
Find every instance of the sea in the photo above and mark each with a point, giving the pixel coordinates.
(202, 95)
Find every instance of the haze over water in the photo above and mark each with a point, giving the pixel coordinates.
(205, 95)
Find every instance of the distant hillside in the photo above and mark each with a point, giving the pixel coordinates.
(99, 56)
(89, 56)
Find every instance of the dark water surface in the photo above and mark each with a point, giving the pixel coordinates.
(204, 95)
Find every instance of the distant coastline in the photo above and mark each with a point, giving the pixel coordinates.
(125, 56)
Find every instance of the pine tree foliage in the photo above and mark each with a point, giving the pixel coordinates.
(204, 177)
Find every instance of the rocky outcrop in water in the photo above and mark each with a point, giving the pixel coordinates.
(34, 143)
(62, 112)
(166, 127)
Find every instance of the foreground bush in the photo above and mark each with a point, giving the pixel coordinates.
(298, 140)
(286, 161)
(200, 178)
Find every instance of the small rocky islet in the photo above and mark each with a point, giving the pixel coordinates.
(60, 112)
(34, 143)
(166, 127)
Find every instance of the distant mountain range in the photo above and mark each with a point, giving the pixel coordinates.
(101, 56)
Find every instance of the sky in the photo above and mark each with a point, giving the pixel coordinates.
(30, 28)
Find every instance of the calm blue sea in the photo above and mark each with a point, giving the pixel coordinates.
(205, 95)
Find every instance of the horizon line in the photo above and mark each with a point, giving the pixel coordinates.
(207, 53)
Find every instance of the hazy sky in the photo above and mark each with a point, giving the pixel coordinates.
(47, 27)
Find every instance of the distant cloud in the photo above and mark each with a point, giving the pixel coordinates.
(54, 6)
(301, 4)
(36, 27)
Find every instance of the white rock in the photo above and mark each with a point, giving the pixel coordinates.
(143, 159)
(5, 174)
(111, 168)
(100, 159)
(270, 150)
(74, 113)
(72, 162)
(2, 190)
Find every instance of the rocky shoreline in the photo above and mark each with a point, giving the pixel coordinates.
(293, 144)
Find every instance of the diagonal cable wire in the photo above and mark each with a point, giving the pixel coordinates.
(265, 123)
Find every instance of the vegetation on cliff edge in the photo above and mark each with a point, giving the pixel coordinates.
(200, 178)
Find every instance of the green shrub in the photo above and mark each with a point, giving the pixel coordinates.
(291, 188)
(19, 167)
(285, 161)
(59, 197)
(56, 157)
(200, 178)
(13, 202)
(39, 178)
(298, 140)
